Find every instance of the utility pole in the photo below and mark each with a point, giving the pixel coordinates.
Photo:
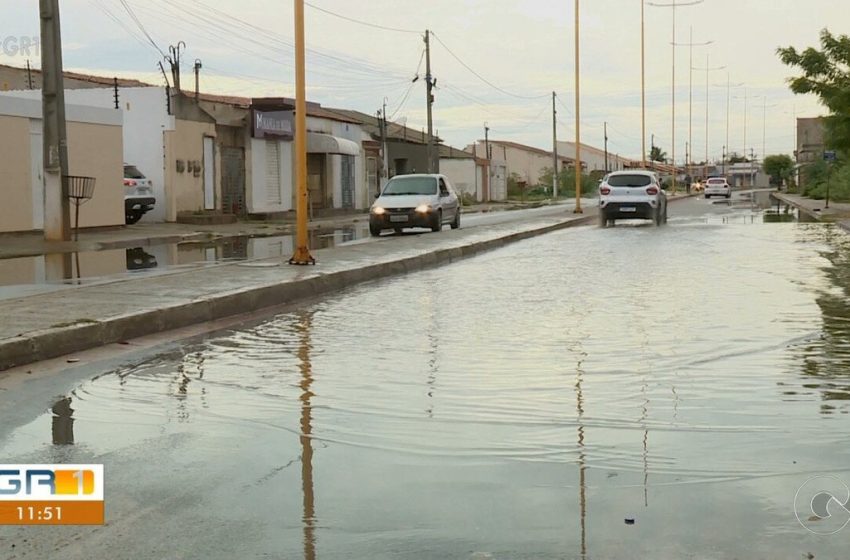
(606, 148)
(302, 254)
(115, 92)
(197, 69)
(487, 155)
(578, 209)
(554, 148)
(57, 207)
(691, 45)
(707, 70)
(429, 86)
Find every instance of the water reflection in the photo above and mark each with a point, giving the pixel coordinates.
(63, 422)
(826, 360)
(303, 328)
(139, 259)
(582, 467)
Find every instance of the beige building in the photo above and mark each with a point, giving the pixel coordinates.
(526, 162)
(594, 159)
(94, 150)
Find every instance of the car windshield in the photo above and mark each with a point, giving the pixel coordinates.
(629, 180)
(132, 172)
(410, 186)
(716, 181)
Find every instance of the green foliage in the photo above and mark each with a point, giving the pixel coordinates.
(467, 199)
(567, 182)
(825, 74)
(780, 168)
(839, 183)
(737, 158)
(656, 154)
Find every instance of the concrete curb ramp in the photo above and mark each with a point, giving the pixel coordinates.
(81, 335)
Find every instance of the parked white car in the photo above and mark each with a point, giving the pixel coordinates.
(717, 186)
(425, 201)
(632, 195)
(138, 194)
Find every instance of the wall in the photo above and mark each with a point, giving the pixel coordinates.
(94, 149)
(416, 154)
(593, 159)
(353, 132)
(461, 174)
(145, 115)
(16, 210)
(186, 143)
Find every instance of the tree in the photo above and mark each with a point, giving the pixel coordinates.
(736, 158)
(825, 74)
(656, 154)
(779, 167)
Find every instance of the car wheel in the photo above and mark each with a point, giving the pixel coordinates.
(658, 217)
(729, 195)
(603, 219)
(438, 222)
(132, 217)
(456, 221)
(375, 231)
(397, 230)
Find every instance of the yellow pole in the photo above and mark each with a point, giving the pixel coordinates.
(302, 251)
(643, 83)
(578, 209)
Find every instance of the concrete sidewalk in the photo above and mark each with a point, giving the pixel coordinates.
(13, 245)
(75, 318)
(816, 209)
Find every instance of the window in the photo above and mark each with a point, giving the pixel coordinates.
(411, 185)
(444, 190)
(629, 180)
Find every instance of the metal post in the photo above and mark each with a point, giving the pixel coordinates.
(115, 92)
(489, 169)
(57, 206)
(29, 75)
(828, 181)
(605, 134)
(643, 82)
(554, 148)
(302, 251)
(385, 147)
(429, 85)
(578, 209)
(197, 69)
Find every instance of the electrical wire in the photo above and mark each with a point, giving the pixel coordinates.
(141, 27)
(360, 22)
(482, 78)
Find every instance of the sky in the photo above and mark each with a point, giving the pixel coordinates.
(495, 62)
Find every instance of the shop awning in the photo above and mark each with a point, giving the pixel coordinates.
(318, 143)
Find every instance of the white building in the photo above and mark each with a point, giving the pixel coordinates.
(594, 159)
(465, 171)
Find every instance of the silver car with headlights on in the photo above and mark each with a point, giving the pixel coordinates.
(415, 201)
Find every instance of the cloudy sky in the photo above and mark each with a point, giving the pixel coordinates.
(496, 61)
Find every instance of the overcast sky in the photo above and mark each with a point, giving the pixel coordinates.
(524, 49)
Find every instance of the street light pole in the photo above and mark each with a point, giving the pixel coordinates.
(578, 209)
(707, 70)
(691, 45)
(674, 5)
(643, 82)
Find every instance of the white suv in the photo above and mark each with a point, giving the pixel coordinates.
(632, 194)
(717, 186)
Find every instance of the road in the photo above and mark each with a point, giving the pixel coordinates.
(525, 403)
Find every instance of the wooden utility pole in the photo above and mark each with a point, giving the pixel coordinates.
(57, 206)
(302, 254)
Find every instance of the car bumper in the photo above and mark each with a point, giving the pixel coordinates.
(398, 220)
(717, 192)
(626, 210)
(140, 204)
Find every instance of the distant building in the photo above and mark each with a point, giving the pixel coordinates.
(594, 159)
(526, 162)
(810, 144)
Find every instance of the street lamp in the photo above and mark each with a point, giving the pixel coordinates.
(674, 5)
(691, 44)
(729, 87)
(707, 70)
(578, 209)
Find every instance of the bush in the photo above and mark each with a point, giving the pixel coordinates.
(839, 184)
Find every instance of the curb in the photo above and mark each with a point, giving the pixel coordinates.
(51, 343)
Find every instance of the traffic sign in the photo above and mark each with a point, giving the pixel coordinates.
(829, 156)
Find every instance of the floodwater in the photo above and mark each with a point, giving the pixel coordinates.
(25, 275)
(629, 392)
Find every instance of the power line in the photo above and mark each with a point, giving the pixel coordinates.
(141, 27)
(360, 22)
(482, 78)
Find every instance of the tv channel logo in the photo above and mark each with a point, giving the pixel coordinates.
(51, 482)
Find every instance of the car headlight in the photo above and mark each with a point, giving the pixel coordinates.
(423, 209)
(378, 210)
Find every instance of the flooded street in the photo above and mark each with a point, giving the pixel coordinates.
(628, 392)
